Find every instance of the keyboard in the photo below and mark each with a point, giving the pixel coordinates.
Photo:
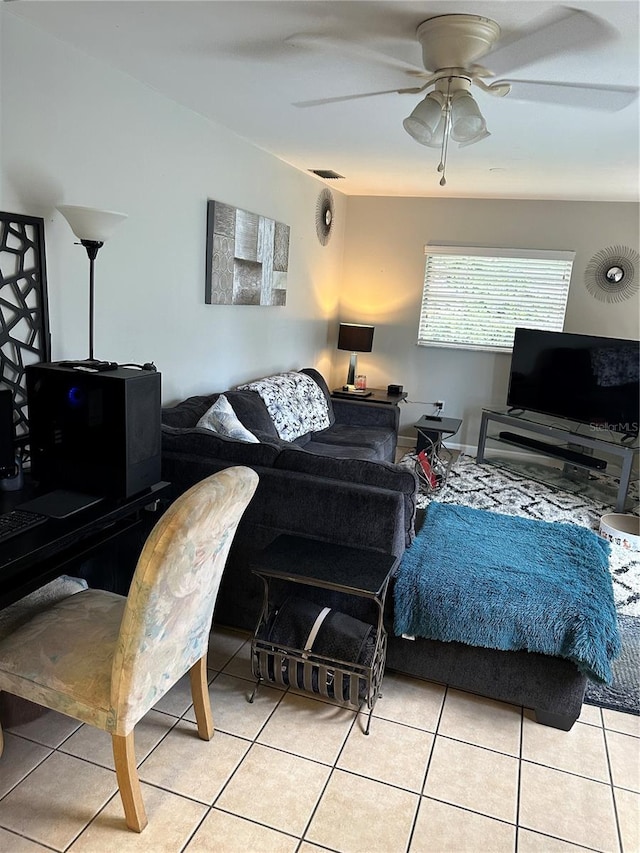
(18, 521)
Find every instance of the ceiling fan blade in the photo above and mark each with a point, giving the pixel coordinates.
(415, 90)
(574, 29)
(345, 48)
(607, 98)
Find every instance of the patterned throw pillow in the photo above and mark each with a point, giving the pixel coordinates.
(222, 419)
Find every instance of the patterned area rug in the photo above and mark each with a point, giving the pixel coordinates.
(500, 490)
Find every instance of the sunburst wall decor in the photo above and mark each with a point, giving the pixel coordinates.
(324, 216)
(612, 274)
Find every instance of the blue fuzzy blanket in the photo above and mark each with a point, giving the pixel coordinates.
(506, 582)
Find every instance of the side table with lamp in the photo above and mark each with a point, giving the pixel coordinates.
(355, 338)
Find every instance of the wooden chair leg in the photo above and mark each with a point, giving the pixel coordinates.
(1, 740)
(200, 696)
(128, 782)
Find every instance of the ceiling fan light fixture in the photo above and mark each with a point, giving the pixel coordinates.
(438, 134)
(423, 121)
(453, 43)
(467, 122)
(475, 139)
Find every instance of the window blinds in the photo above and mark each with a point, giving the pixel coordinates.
(474, 298)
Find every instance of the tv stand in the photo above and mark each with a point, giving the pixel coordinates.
(609, 457)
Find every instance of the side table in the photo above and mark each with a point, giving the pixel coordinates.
(353, 582)
(432, 450)
(370, 395)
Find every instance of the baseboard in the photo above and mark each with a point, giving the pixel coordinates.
(408, 444)
(406, 441)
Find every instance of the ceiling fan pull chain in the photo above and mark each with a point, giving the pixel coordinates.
(442, 167)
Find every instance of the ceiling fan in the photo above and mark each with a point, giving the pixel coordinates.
(451, 46)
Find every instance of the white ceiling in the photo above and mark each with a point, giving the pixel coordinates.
(229, 61)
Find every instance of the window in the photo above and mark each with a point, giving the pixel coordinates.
(474, 298)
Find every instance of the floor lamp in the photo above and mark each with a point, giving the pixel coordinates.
(92, 227)
(355, 338)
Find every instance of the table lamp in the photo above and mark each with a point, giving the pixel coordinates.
(355, 338)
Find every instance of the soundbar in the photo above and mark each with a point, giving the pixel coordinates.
(553, 450)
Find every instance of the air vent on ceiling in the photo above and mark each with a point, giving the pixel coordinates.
(326, 173)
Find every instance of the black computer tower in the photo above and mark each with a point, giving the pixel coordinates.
(97, 433)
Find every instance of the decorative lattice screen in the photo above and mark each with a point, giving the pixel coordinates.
(24, 316)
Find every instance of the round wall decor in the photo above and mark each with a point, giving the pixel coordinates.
(612, 274)
(324, 216)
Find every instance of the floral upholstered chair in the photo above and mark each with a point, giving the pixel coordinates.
(106, 660)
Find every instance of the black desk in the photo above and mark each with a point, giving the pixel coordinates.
(32, 559)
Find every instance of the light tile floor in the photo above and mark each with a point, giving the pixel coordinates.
(441, 770)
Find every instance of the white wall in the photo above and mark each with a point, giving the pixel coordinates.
(79, 132)
(383, 278)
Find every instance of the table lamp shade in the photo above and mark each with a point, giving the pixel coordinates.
(355, 338)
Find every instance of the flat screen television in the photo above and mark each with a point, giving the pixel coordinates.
(585, 378)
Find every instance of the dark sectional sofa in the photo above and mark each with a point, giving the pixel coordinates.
(336, 485)
(341, 485)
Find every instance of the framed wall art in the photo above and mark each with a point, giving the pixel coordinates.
(247, 257)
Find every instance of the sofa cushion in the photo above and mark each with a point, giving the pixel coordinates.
(378, 439)
(319, 378)
(384, 475)
(222, 419)
(188, 412)
(204, 443)
(337, 451)
(252, 412)
(294, 401)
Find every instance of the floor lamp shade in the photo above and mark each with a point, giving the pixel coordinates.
(89, 223)
(355, 338)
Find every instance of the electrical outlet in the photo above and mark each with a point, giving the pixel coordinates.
(439, 404)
